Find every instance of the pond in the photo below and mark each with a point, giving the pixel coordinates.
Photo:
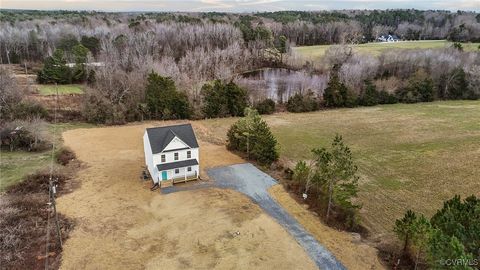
(279, 83)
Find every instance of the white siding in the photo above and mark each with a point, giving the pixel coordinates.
(149, 160)
(169, 156)
(182, 171)
(182, 155)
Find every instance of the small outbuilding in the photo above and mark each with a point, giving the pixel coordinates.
(171, 154)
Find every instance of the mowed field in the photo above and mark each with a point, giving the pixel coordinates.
(315, 52)
(410, 156)
(49, 89)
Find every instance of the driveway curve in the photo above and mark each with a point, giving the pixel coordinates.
(254, 183)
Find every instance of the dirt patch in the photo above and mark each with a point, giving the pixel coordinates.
(121, 224)
(347, 247)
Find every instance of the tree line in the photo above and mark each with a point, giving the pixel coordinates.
(27, 35)
(406, 76)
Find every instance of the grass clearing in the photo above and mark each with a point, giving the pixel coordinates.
(14, 166)
(315, 52)
(50, 89)
(410, 156)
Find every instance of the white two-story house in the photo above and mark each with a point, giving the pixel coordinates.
(171, 154)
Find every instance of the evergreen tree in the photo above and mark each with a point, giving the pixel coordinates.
(462, 220)
(453, 233)
(252, 135)
(443, 247)
(221, 100)
(457, 86)
(55, 69)
(80, 53)
(302, 102)
(386, 98)
(92, 43)
(162, 99)
(336, 94)
(336, 172)
(419, 89)
(266, 106)
(66, 43)
(214, 100)
(237, 99)
(405, 228)
(370, 95)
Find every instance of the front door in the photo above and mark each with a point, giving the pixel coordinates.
(164, 175)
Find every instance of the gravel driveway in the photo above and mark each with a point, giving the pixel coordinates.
(252, 182)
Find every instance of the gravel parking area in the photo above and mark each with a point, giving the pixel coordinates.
(252, 182)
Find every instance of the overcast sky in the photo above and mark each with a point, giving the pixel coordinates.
(237, 5)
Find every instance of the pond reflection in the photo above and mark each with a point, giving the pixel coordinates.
(279, 83)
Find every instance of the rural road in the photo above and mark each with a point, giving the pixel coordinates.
(252, 182)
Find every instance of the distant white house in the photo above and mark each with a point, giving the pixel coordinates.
(171, 154)
(91, 64)
(388, 38)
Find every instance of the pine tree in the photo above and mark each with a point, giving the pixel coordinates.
(405, 228)
(221, 100)
(336, 94)
(336, 173)
(370, 95)
(55, 69)
(163, 100)
(252, 136)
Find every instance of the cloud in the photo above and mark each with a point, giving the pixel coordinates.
(237, 5)
(460, 4)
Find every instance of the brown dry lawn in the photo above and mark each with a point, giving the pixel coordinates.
(121, 224)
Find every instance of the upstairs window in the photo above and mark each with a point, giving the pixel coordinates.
(189, 154)
(175, 156)
(163, 158)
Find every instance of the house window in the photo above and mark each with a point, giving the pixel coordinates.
(189, 169)
(189, 154)
(177, 171)
(175, 156)
(163, 158)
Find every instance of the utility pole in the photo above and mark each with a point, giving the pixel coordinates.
(52, 190)
(52, 194)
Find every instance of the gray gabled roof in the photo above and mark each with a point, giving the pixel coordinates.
(160, 137)
(178, 164)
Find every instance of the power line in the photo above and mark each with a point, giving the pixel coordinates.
(52, 189)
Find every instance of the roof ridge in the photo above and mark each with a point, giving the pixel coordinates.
(170, 126)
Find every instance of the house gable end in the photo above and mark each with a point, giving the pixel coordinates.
(174, 144)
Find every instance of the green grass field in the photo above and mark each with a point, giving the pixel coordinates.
(410, 156)
(316, 52)
(49, 89)
(14, 166)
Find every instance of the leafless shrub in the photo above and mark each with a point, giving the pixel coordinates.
(31, 135)
(357, 69)
(390, 84)
(10, 94)
(336, 55)
(23, 224)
